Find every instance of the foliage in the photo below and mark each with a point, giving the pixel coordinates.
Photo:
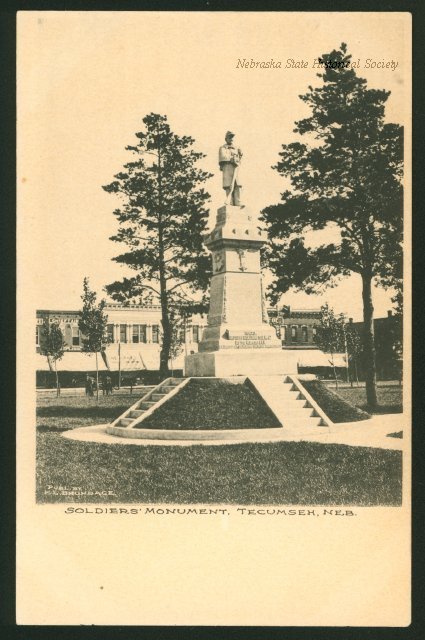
(337, 409)
(353, 348)
(345, 179)
(177, 335)
(53, 345)
(330, 333)
(354, 345)
(161, 222)
(93, 321)
(389, 346)
(92, 324)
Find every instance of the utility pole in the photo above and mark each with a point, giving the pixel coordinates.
(119, 365)
(346, 355)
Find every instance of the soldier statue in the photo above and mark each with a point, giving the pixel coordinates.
(229, 159)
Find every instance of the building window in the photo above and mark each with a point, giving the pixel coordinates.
(110, 332)
(293, 333)
(75, 337)
(283, 333)
(304, 334)
(68, 335)
(37, 335)
(139, 333)
(314, 332)
(195, 333)
(155, 333)
(123, 333)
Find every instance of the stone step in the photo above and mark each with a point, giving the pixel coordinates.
(292, 395)
(158, 396)
(136, 413)
(147, 404)
(290, 405)
(124, 422)
(168, 387)
(295, 425)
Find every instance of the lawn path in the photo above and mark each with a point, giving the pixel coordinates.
(368, 433)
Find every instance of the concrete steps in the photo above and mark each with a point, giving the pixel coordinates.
(131, 418)
(292, 406)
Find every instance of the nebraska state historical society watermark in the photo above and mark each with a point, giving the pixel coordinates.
(317, 63)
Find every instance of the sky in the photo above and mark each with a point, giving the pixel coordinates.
(86, 80)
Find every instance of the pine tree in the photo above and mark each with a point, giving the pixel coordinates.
(162, 221)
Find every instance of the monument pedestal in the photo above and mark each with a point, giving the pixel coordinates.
(238, 339)
(234, 362)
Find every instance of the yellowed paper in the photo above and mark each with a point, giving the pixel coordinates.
(85, 81)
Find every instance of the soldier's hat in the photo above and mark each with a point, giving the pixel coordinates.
(229, 134)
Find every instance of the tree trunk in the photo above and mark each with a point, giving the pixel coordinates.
(165, 317)
(166, 335)
(369, 341)
(333, 367)
(97, 381)
(57, 381)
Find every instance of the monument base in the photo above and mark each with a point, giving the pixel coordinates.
(237, 362)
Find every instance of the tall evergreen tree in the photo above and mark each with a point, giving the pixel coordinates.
(162, 220)
(347, 177)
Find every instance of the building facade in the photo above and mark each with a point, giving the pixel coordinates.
(135, 339)
(295, 327)
(388, 346)
(134, 334)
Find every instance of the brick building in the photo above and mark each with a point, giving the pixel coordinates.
(134, 331)
(297, 327)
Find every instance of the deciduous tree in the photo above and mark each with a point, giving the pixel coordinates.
(92, 324)
(53, 346)
(346, 178)
(330, 334)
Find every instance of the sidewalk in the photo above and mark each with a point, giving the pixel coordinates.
(69, 392)
(367, 433)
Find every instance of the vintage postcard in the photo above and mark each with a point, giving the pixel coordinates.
(214, 311)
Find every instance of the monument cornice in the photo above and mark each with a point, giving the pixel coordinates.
(234, 243)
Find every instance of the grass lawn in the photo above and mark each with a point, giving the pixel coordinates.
(390, 397)
(338, 409)
(275, 473)
(213, 404)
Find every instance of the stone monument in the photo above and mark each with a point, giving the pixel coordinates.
(238, 339)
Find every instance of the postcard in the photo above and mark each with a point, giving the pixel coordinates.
(214, 313)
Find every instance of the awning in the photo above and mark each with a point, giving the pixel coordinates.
(79, 361)
(41, 363)
(130, 360)
(150, 359)
(316, 358)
